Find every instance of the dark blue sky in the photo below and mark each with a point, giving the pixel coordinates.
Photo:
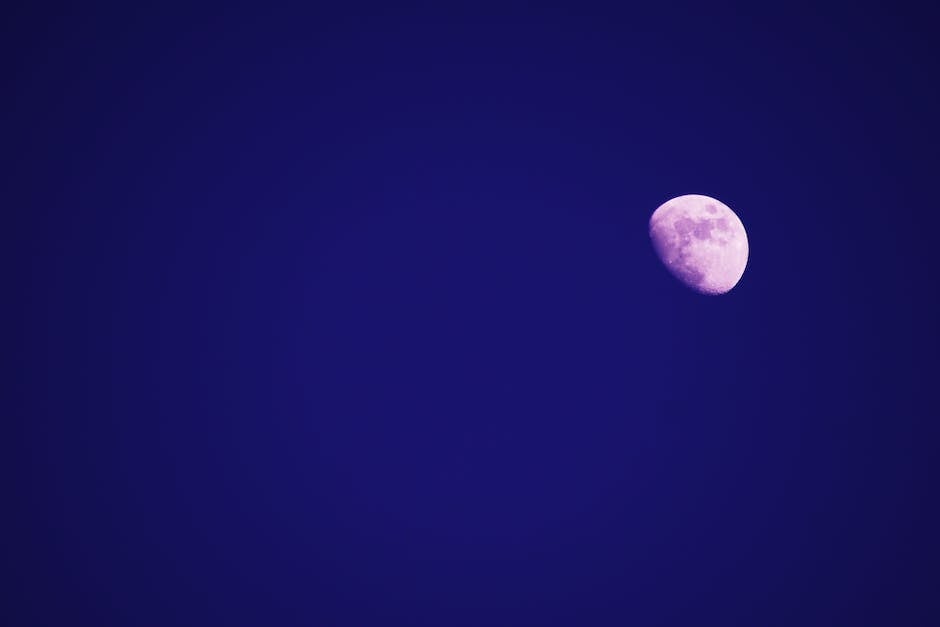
(350, 317)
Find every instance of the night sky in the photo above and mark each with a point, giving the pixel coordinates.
(348, 316)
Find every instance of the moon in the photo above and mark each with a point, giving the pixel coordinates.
(701, 241)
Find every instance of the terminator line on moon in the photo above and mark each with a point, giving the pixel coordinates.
(701, 241)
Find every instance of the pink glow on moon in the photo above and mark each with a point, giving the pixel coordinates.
(701, 241)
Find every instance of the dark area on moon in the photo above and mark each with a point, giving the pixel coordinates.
(701, 229)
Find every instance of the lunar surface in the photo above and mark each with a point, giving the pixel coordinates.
(701, 241)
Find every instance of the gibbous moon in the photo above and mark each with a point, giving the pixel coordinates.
(701, 241)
